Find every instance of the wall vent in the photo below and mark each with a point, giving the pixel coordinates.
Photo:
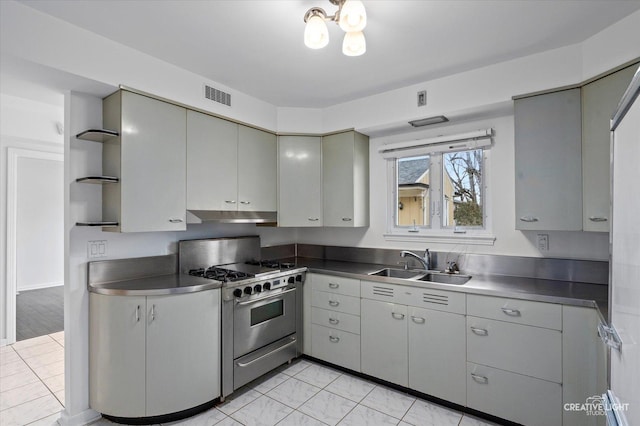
(436, 299)
(217, 95)
(382, 291)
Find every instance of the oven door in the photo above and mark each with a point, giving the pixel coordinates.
(262, 321)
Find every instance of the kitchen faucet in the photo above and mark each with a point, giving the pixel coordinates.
(425, 261)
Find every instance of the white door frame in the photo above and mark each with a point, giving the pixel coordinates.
(13, 155)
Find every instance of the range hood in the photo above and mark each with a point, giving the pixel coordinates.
(235, 217)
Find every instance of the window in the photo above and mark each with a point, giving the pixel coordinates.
(439, 189)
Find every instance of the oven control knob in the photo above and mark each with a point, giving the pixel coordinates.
(291, 280)
(257, 288)
(248, 290)
(267, 286)
(237, 292)
(299, 278)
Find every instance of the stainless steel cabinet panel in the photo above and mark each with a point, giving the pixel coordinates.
(539, 314)
(548, 163)
(257, 170)
(336, 346)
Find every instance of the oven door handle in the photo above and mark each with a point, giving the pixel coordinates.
(245, 364)
(249, 302)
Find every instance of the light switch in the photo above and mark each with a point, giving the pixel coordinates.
(96, 249)
(543, 242)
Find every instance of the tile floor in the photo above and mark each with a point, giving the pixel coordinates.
(32, 381)
(303, 393)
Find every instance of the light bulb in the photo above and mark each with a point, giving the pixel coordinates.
(316, 34)
(353, 17)
(354, 44)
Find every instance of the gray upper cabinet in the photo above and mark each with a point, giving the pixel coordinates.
(257, 170)
(548, 163)
(149, 157)
(345, 179)
(599, 101)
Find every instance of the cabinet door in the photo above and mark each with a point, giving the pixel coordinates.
(384, 341)
(153, 169)
(548, 164)
(345, 164)
(437, 354)
(336, 346)
(257, 170)
(117, 355)
(212, 158)
(599, 102)
(299, 181)
(183, 351)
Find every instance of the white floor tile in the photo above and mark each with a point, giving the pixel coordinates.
(293, 392)
(327, 407)
(8, 357)
(351, 387)
(229, 422)
(238, 399)
(318, 375)
(208, 418)
(365, 416)
(49, 370)
(468, 420)
(17, 380)
(55, 383)
(22, 394)
(30, 411)
(264, 411)
(388, 401)
(41, 349)
(268, 382)
(295, 367)
(298, 419)
(428, 414)
(52, 420)
(59, 396)
(12, 368)
(47, 358)
(32, 342)
(6, 348)
(57, 336)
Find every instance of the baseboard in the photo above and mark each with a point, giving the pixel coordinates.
(82, 418)
(41, 286)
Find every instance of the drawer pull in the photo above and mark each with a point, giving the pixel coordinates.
(529, 219)
(480, 331)
(334, 285)
(597, 218)
(418, 320)
(313, 219)
(334, 302)
(138, 314)
(334, 339)
(346, 219)
(479, 379)
(245, 202)
(511, 312)
(230, 201)
(175, 220)
(397, 315)
(334, 320)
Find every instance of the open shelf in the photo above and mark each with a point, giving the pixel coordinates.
(97, 135)
(98, 179)
(100, 224)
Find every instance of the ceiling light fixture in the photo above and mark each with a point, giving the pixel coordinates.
(350, 16)
(429, 121)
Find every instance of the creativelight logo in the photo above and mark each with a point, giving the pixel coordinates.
(594, 406)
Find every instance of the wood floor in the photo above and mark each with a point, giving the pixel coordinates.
(39, 312)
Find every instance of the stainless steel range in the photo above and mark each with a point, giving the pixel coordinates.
(261, 305)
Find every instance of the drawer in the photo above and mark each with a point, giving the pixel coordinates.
(523, 349)
(383, 292)
(335, 302)
(539, 314)
(514, 397)
(336, 346)
(333, 284)
(337, 320)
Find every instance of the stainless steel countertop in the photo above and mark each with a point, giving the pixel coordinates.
(551, 291)
(155, 286)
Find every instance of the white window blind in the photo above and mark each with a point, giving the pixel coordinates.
(462, 141)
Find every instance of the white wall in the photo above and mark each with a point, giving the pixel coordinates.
(39, 223)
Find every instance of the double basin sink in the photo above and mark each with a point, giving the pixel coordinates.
(417, 275)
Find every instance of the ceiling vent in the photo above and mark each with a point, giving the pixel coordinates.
(217, 95)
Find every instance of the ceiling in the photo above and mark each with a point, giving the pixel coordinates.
(256, 46)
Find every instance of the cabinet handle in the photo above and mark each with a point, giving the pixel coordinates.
(529, 219)
(418, 320)
(598, 219)
(483, 380)
(245, 202)
(346, 219)
(334, 339)
(334, 320)
(153, 312)
(511, 312)
(230, 201)
(313, 219)
(175, 220)
(397, 315)
(138, 313)
(334, 285)
(480, 331)
(334, 302)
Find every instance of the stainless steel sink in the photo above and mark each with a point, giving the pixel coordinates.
(398, 273)
(443, 278)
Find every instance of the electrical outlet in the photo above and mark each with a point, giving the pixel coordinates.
(422, 98)
(96, 249)
(543, 242)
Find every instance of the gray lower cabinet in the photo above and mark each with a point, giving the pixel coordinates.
(153, 355)
(548, 162)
